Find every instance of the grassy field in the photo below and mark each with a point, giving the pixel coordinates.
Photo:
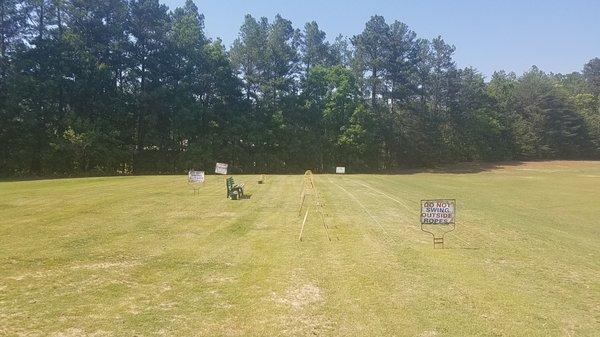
(145, 256)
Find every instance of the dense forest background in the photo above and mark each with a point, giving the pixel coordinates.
(118, 87)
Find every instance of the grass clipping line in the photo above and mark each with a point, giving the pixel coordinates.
(366, 211)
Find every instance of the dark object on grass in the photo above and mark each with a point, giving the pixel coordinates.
(234, 192)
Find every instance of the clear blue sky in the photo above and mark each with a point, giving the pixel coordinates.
(512, 35)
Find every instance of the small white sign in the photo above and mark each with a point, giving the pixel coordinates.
(340, 170)
(437, 212)
(196, 176)
(221, 168)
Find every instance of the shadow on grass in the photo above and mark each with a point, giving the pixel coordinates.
(463, 248)
(458, 168)
(82, 177)
(246, 196)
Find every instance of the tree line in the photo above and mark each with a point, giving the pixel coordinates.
(129, 86)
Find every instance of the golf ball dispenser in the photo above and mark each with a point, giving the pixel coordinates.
(437, 219)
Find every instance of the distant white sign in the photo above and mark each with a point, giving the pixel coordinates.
(437, 212)
(221, 168)
(340, 170)
(196, 176)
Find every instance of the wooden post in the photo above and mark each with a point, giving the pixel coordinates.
(302, 197)
(303, 222)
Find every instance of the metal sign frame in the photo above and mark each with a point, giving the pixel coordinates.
(438, 241)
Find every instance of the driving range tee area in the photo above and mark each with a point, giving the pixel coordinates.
(154, 256)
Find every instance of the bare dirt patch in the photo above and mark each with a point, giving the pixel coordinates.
(105, 265)
(35, 275)
(299, 297)
(218, 279)
(75, 332)
(430, 333)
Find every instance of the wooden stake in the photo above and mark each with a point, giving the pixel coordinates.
(303, 222)
(302, 197)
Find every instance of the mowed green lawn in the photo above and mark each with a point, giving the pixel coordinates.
(145, 256)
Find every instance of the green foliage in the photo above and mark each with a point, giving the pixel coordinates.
(116, 86)
(591, 73)
(316, 50)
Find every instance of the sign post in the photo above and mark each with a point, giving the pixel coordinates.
(340, 170)
(437, 216)
(195, 179)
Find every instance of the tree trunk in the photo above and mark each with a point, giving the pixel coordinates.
(374, 87)
(60, 60)
(140, 120)
(2, 34)
(392, 96)
(41, 20)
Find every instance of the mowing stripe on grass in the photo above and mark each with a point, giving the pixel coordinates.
(365, 209)
(407, 207)
(387, 195)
